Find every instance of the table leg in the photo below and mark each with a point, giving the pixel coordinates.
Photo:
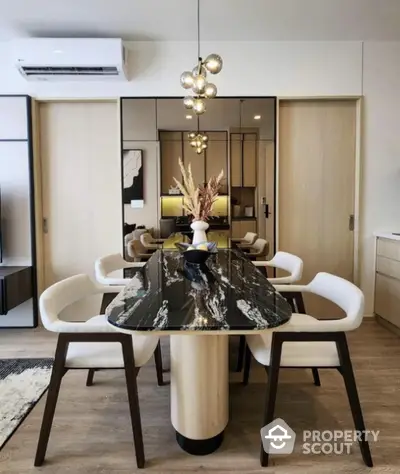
(199, 391)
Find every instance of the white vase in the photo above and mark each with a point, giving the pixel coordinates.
(199, 232)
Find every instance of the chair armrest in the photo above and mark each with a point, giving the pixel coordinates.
(263, 263)
(291, 288)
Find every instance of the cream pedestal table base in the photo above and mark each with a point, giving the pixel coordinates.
(199, 391)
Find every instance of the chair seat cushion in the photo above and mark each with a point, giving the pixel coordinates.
(82, 355)
(295, 354)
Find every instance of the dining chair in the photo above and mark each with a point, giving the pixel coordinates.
(260, 248)
(306, 342)
(293, 266)
(247, 240)
(137, 252)
(149, 243)
(105, 266)
(92, 344)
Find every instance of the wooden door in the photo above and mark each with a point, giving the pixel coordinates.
(317, 140)
(81, 186)
(249, 160)
(217, 157)
(236, 229)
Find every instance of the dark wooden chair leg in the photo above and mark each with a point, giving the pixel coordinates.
(242, 345)
(272, 388)
(90, 375)
(352, 394)
(299, 301)
(106, 300)
(131, 385)
(247, 364)
(315, 374)
(52, 397)
(159, 364)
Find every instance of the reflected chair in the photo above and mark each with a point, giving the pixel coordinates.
(90, 345)
(306, 342)
(137, 252)
(149, 243)
(104, 267)
(245, 241)
(260, 248)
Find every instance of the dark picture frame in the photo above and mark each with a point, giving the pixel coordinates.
(132, 173)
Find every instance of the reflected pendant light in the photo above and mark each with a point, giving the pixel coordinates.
(198, 140)
(196, 79)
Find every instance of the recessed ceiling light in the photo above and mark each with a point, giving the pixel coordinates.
(57, 51)
(257, 117)
(188, 117)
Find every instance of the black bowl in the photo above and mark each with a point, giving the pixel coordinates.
(196, 256)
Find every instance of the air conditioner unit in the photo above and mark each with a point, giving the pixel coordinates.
(70, 59)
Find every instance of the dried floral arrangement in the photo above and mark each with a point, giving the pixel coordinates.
(198, 200)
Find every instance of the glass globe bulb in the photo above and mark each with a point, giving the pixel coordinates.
(199, 150)
(213, 63)
(193, 143)
(204, 146)
(198, 143)
(199, 106)
(188, 102)
(210, 90)
(192, 135)
(203, 71)
(187, 80)
(205, 138)
(199, 84)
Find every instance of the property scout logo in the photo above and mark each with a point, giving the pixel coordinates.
(278, 438)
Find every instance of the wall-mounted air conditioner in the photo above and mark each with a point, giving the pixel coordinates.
(70, 59)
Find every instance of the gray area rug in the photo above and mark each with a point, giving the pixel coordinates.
(22, 384)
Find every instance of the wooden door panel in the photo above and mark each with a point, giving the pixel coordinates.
(217, 157)
(249, 159)
(316, 188)
(236, 159)
(171, 148)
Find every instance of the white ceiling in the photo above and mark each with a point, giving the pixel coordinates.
(221, 20)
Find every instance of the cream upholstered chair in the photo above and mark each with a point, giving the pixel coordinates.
(293, 265)
(104, 266)
(247, 240)
(149, 243)
(90, 345)
(137, 252)
(306, 342)
(288, 262)
(260, 248)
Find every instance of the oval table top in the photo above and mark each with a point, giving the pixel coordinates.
(227, 294)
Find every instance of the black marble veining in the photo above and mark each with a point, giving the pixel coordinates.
(227, 293)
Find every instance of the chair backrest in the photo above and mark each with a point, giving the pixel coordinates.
(146, 239)
(62, 294)
(288, 262)
(109, 264)
(343, 293)
(250, 238)
(135, 248)
(260, 247)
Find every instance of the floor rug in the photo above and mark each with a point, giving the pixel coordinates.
(22, 384)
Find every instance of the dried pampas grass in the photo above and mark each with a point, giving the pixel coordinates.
(198, 201)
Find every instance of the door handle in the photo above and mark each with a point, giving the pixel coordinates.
(266, 210)
(351, 222)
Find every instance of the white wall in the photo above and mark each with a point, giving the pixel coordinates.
(380, 192)
(284, 69)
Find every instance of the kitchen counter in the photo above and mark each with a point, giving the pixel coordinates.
(387, 235)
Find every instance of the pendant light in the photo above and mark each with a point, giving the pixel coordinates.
(196, 79)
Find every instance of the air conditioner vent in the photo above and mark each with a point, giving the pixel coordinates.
(93, 71)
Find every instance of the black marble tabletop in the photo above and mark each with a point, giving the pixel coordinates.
(227, 293)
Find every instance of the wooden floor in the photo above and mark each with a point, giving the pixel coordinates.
(91, 432)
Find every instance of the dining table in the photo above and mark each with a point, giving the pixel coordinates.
(198, 307)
